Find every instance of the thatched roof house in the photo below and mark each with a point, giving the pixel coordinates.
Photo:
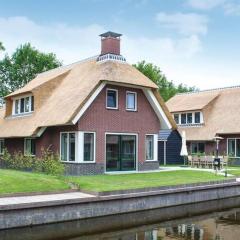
(75, 98)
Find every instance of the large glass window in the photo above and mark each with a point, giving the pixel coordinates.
(189, 118)
(112, 99)
(23, 105)
(29, 147)
(234, 147)
(88, 147)
(1, 146)
(149, 147)
(197, 147)
(131, 101)
(68, 147)
(197, 117)
(183, 118)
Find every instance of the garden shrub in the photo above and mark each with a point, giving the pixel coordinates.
(48, 162)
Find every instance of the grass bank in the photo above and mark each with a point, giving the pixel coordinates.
(19, 182)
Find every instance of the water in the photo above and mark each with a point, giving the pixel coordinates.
(191, 222)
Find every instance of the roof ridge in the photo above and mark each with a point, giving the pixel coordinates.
(69, 65)
(209, 90)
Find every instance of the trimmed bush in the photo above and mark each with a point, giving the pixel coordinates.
(48, 162)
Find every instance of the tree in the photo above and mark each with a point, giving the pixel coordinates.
(24, 64)
(2, 48)
(167, 89)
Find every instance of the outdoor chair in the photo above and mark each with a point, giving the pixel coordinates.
(190, 162)
(195, 161)
(203, 161)
(210, 161)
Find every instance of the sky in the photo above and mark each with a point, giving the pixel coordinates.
(194, 42)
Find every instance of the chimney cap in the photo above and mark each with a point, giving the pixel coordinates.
(110, 34)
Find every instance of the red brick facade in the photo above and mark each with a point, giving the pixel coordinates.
(99, 119)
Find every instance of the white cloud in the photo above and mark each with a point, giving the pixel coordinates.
(205, 4)
(176, 56)
(184, 23)
(232, 9)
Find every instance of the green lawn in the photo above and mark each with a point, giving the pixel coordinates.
(132, 181)
(17, 182)
(234, 171)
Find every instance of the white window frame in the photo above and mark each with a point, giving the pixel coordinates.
(81, 146)
(1, 150)
(179, 120)
(25, 152)
(19, 105)
(76, 147)
(235, 153)
(135, 101)
(155, 148)
(114, 90)
(193, 118)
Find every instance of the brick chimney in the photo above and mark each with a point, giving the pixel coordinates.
(110, 42)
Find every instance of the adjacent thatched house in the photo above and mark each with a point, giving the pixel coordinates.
(206, 114)
(99, 114)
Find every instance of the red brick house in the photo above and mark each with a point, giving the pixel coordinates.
(207, 114)
(99, 114)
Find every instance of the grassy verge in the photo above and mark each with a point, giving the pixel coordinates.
(18, 182)
(142, 180)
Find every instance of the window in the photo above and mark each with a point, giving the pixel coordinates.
(131, 101)
(149, 147)
(189, 118)
(176, 118)
(89, 145)
(197, 117)
(1, 146)
(234, 147)
(183, 118)
(23, 105)
(197, 147)
(68, 146)
(112, 99)
(29, 147)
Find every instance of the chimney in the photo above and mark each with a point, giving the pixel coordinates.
(110, 43)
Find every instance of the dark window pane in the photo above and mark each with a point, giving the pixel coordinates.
(111, 99)
(64, 143)
(176, 118)
(33, 147)
(201, 147)
(30, 146)
(237, 147)
(1, 146)
(32, 103)
(189, 118)
(231, 147)
(22, 105)
(149, 147)
(194, 148)
(88, 146)
(27, 104)
(183, 118)
(197, 117)
(71, 146)
(17, 106)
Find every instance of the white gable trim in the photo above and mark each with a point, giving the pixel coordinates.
(41, 131)
(88, 103)
(165, 124)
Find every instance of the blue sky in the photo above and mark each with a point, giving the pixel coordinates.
(195, 42)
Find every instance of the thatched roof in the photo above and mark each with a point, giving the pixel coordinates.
(60, 94)
(220, 112)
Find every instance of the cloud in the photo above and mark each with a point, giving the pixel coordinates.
(205, 4)
(232, 9)
(184, 23)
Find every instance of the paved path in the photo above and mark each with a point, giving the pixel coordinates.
(43, 198)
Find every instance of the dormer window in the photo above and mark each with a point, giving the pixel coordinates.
(188, 118)
(23, 105)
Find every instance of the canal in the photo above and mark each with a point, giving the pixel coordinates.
(214, 220)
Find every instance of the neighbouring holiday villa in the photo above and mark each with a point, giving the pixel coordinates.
(208, 114)
(100, 114)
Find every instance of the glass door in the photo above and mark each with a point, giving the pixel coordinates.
(120, 152)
